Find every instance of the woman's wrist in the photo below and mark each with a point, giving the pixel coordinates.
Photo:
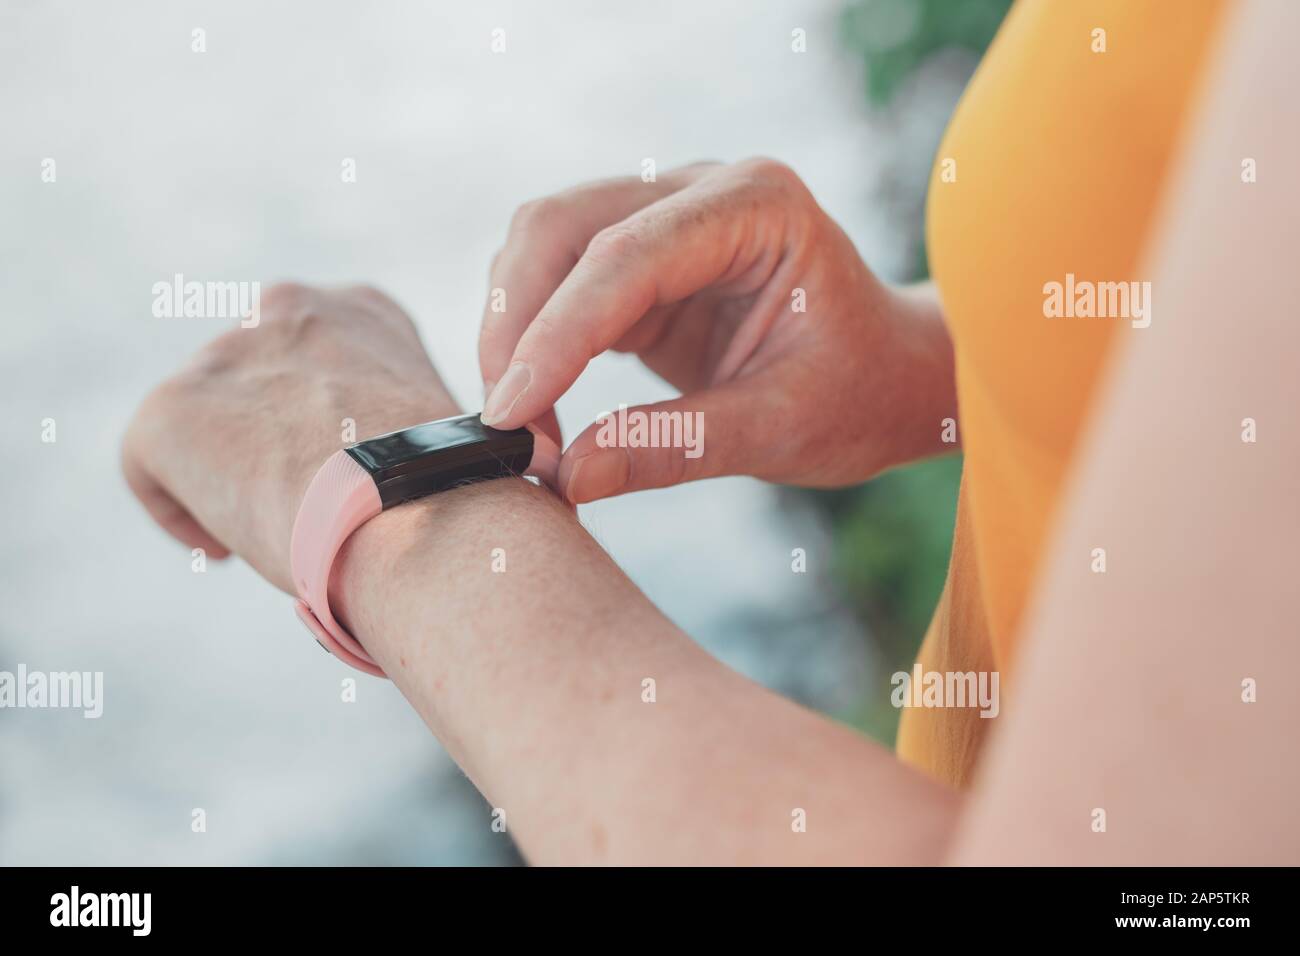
(406, 559)
(481, 602)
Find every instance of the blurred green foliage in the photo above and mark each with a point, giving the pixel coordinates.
(892, 539)
(893, 536)
(895, 36)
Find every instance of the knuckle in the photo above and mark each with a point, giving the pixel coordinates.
(374, 303)
(291, 307)
(545, 333)
(769, 173)
(285, 296)
(304, 321)
(371, 296)
(537, 215)
(676, 466)
(562, 344)
(615, 245)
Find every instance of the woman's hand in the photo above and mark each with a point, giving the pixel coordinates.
(222, 453)
(734, 285)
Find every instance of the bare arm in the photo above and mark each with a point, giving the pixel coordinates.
(1130, 694)
(533, 680)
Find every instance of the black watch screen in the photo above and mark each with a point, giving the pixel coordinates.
(435, 456)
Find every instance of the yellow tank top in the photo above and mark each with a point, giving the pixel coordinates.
(1051, 167)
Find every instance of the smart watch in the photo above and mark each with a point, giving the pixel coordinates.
(359, 481)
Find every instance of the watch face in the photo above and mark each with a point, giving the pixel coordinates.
(420, 460)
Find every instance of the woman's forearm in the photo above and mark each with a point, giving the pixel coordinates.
(528, 653)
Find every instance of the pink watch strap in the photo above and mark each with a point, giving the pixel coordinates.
(341, 498)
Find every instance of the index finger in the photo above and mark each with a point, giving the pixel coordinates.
(707, 233)
(546, 239)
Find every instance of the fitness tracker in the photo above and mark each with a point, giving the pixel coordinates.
(359, 481)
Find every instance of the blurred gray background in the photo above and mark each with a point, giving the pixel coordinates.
(225, 165)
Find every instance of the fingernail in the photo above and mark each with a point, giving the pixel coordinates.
(507, 392)
(598, 475)
(488, 385)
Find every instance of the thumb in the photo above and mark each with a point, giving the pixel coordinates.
(702, 435)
